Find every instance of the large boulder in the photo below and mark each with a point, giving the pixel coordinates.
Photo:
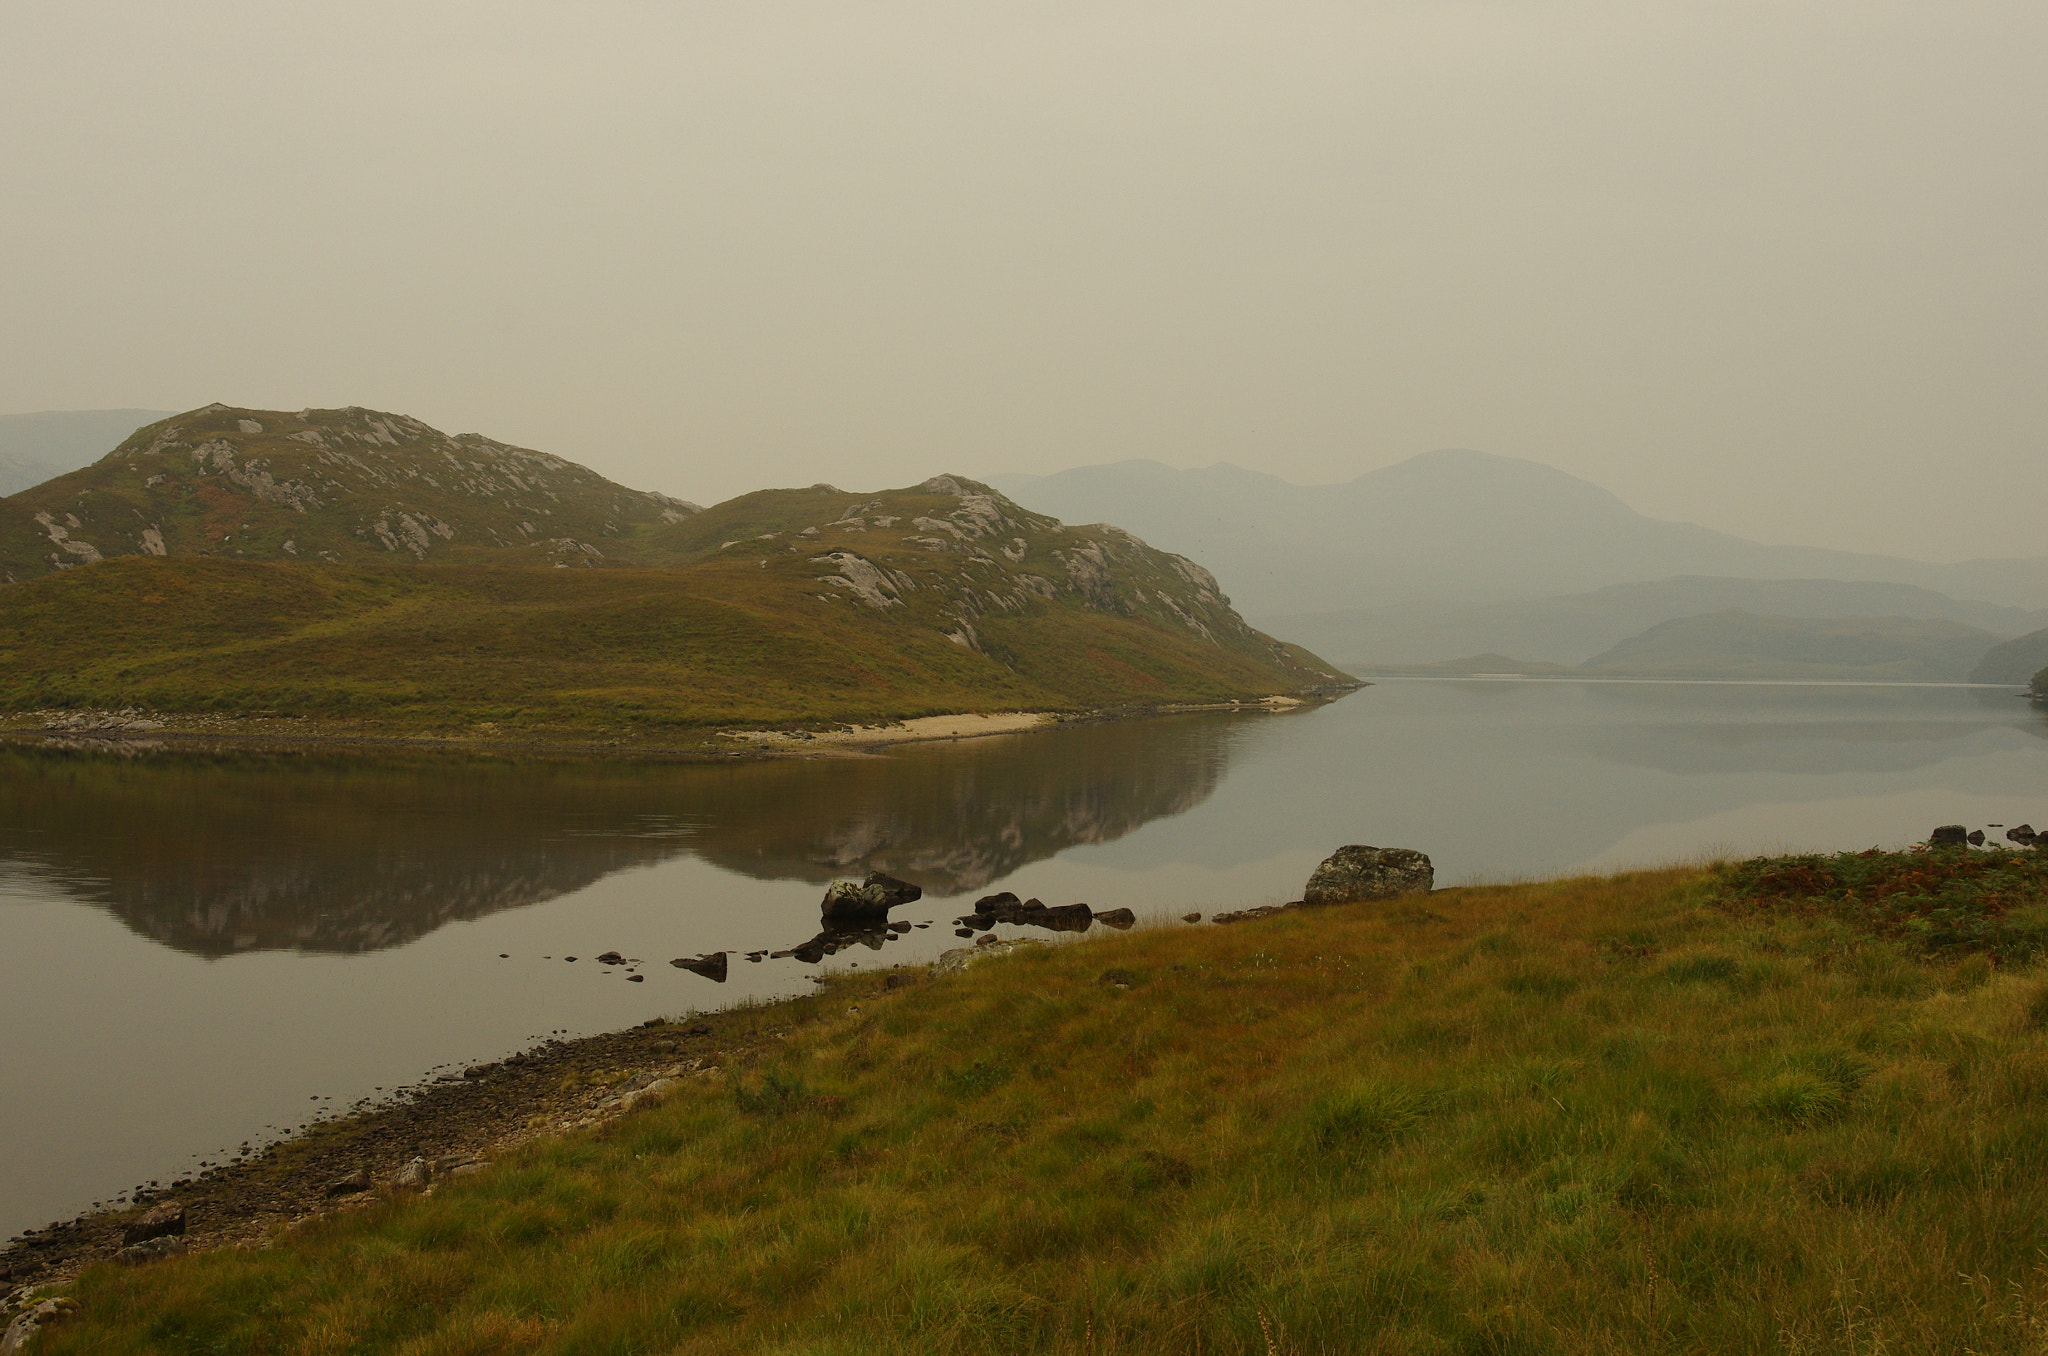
(1359, 872)
(872, 898)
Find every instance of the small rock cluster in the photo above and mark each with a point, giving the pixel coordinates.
(1007, 908)
(1956, 835)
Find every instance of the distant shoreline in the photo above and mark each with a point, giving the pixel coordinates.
(134, 732)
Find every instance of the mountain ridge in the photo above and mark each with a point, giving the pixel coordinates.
(1456, 525)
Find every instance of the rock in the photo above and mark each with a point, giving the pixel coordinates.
(963, 932)
(1065, 918)
(958, 959)
(1117, 979)
(25, 1325)
(2023, 834)
(611, 958)
(1357, 872)
(711, 966)
(155, 1222)
(1262, 911)
(413, 1175)
(1191, 918)
(994, 905)
(169, 1245)
(986, 939)
(636, 979)
(899, 927)
(1120, 919)
(870, 900)
(898, 980)
(355, 1182)
(1949, 834)
(1976, 838)
(653, 1092)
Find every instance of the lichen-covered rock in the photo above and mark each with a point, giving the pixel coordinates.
(1358, 872)
(871, 899)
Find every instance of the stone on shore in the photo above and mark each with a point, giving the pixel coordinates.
(166, 1245)
(1358, 872)
(1949, 834)
(155, 1222)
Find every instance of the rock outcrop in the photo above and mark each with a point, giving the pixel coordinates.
(1357, 872)
(870, 900)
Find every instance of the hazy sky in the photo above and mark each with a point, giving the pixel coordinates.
(1774, 267)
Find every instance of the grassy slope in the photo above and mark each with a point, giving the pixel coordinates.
(1592, 1115)
(725, 641)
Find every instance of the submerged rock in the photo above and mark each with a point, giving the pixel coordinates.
(1358, 872)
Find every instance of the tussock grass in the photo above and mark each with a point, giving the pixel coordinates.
(1597, 1115)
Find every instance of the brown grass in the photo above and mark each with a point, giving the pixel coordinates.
(1583, 1116)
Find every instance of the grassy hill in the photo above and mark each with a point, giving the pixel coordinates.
(36, 447)
(782, 606)
(1790, 1107)
(2015, 661)
(350, 485)
(1738, 644)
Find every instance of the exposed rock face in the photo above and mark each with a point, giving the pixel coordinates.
(1358, 872)
(846, 902)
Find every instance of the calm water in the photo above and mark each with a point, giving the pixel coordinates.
(200, 951)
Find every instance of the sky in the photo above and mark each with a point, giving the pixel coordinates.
(1779, 268)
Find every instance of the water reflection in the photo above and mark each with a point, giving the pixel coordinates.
(216, 855)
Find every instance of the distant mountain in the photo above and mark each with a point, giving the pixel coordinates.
(1737, 644)
(1450, 527)
(333, 485)
(1572, 628)
(35, 447)
(2016, 661)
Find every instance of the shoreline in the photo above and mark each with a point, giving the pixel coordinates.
(136, 731)
(443, 1125)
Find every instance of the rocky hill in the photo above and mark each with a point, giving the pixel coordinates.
(363, 565)
(332, 485)
(41, 446)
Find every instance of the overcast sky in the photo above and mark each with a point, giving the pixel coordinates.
(1774, 267)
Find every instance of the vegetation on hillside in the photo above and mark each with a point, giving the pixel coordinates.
(349, 485)
(1650, 1113)
(2014, 661)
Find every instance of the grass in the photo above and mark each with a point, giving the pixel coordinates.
(1635, 1114)
(723, 642)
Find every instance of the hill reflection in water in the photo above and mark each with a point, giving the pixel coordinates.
(220, 854)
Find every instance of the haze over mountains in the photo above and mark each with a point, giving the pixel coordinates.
(36, 447)
(1463, 553)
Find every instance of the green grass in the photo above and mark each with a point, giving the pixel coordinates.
(723, 642)
(1637, 1114)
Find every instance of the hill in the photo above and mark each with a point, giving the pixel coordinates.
(807, 605)
(1452, 526)
(2015, 661)
(349, 485)
(1738, 644)
(36, 447)
(1672, 1112)
(1572, 628)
